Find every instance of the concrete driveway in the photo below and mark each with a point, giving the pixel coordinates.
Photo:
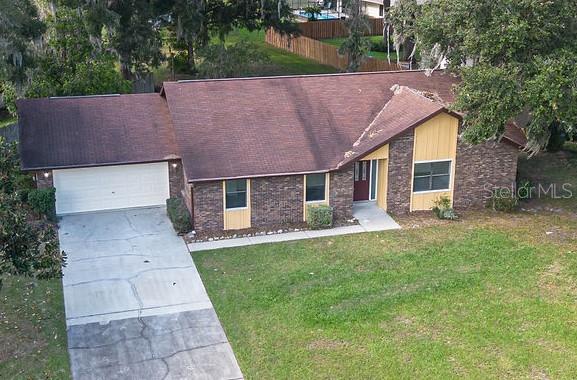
(135, 305)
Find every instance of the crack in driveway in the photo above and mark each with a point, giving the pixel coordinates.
(128, 278)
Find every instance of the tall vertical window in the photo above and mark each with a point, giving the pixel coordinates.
(360, 170)
(373, 194)
(315, 187)
(432, 176)
(235, 193)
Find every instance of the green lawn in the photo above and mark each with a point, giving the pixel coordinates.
(375, 54)
(491, 296)
(282, 62)
(32, 330)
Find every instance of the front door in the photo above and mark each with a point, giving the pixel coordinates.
(362, 180)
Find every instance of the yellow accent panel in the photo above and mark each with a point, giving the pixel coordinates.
(237, 219)
(425, 201)
(382, 178)
(325, 202)
(435, 139)
(380, 154)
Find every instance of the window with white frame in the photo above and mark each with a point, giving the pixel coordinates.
(235, 193)
(315, 187)
(373, 192)
(432, 176)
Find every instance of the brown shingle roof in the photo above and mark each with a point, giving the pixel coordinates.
(280, 125)
(235, 127)
(515, 134)
(94, 130)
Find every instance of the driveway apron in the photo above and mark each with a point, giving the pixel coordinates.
(135, 305)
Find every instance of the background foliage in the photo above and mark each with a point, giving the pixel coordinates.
(516, 59)
(28, 246)
(71, 47)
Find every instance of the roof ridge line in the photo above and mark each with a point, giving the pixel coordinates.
(397, 89)
(296, 76)
(82, 96)
(434, 99)
(369, 127)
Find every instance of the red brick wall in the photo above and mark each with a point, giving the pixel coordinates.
(341, 193)
(480, 167)
(207, 206)
(175, 178)
(43, 182)
(400, 172)
(276, 200)
(187, 195)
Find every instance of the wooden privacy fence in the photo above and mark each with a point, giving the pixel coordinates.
(319, 30)
(322, 53)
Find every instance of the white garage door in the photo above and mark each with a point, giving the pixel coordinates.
(111, 187)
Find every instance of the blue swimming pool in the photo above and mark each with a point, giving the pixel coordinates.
(322, 16)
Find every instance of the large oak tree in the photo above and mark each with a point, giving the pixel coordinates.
(516, 58)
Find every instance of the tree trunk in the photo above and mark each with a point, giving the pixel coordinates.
(190, 56)
(125, 69)
(407, 49)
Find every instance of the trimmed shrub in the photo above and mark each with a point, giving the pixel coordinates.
(379, 46)
(319, 216)
(504, 200)
(23, 184)
(443, 210)
(178, 214)
(27, 248)
(43, 202)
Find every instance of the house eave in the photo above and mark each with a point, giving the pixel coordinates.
(209, 179)
(81, 166)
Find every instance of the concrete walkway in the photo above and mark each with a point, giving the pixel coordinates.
(371, 218)
(135, 305)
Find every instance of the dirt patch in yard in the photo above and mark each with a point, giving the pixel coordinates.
(21, 339)
(555, 284)
(327, 344)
